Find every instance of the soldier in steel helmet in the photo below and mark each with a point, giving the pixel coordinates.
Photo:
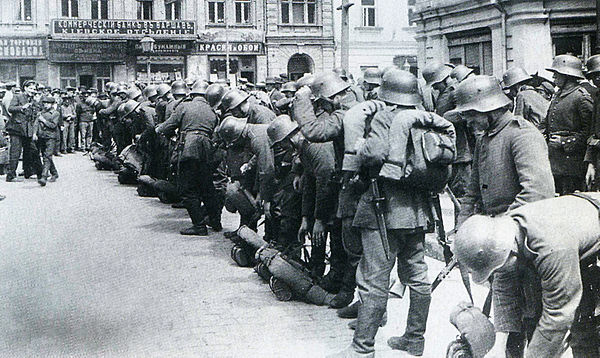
(164, 96)
(179, 91)
(283, 105)
(510, 168)
(592, 159)
(529, 104)
(240, 105)
(371, 82)
(550, 245)
(567, 125)
(196, 122)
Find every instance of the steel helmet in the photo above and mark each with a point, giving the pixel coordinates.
(593, 65)
(567, 65)
(231, 129)
(190, 81)
(114, 89)
(232, 99)
(179, 88)
(134, 92)
(150, 91)
(121, 89)
(91, 101)
(305, 80)
(483, 244)
(481, 94)
(108, 86)
(163, 89)
(436, 72)
(199, 87)
(341, 72)
(214, 94)
(121, 110)
(328, 84)
(372, 76)
(514, 76)
(460, 72)
(130, 106)
(400, 87)
(280, 129)
(289, 87)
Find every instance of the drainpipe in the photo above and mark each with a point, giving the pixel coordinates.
(498, 5)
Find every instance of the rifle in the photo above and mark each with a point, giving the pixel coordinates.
(378, 201)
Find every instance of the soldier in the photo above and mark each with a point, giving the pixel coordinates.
(237, 104)
(371, 82)
(179, 91)
(196, 123)
(110, 112)
(85, 114)
(407, 216)
(47, 127)
(430, 95)
(318, 198)
(164, 96)
(283, 105)
(593, 143)
(254, 138)
(67, 112)
(272, 89)
(359, 95)
(510, 166)
(529, 104)
(568, 124)
(214, 95)
(551, 245)
(20, 127)
(324, 123)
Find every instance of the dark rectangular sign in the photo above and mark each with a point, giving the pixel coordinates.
(88, 51)
(237, 48)
(76, 27)
(22, 47)
(164, 48)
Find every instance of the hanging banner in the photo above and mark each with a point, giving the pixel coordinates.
(87, 51)
(235, 48)
(138, 28)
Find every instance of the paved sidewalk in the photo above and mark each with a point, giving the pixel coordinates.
(91, 269)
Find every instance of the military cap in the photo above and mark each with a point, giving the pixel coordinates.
(28, 83)
(55, 90)
(289, 87)
(47, 99)
(270, 80)
(179, 88)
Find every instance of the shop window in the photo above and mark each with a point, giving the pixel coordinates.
(473, 50)
(24, 10)
(144, 9)
(581, 45)
(99, 9)
(298, 12)
(242, 11)
(368, 11)
(216, 11)
(70, 8)
(173, 9)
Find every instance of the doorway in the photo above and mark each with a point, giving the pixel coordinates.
(298, 65)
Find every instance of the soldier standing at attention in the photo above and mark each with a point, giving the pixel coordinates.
(568, 124)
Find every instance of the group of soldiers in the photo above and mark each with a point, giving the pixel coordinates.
(358, 168)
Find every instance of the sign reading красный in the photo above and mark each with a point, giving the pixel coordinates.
(89, 27)
(22, 47)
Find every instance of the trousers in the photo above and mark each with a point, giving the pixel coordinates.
(85, 134)
(46, 147)
(68, 136)
(195, 187)
(31, 159)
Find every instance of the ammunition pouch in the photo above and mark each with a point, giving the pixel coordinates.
(568, 142)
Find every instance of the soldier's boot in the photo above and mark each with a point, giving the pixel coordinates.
(342, 299)
(349, 311)
(332, 283)
(53, 178)
(195, 230)
(195, 214)
(413, 340)
(352, 324)
(42, 181)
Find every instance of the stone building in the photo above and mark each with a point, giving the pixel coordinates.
(493, 35)
(381, 35)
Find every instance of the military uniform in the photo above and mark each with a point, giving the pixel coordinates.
(196, 122)
(116, 127)
(258, 114)
(85, 117)
(21, 129)
(46, 133)
(567, 127)
(531, 105)
(560, 239)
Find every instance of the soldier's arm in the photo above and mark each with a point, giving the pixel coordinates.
(530, 155)
(323, 170)
(586, 110)
(173, 122)
(266, 171)
(561, 292)
(323, 129)
(309, 189)
(507, 300)
(16, 106)
(472, 197)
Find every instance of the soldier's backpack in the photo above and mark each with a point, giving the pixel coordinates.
(422, 149)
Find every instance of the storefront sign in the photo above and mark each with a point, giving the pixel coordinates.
(122, 27)
(22, 47)
(164, 47)
(88, 51)
(235, 48)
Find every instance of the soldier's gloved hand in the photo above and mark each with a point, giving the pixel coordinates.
(319, 234)
(305, 228)
(590, 176)
(267, 210)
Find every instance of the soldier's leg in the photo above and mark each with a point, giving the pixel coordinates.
(353, 248)
(412, 272)
(209, 195)
(189, 190)
(584, 338)
(46, 150)
(71, 137)
(317, 260)
(372, 278)
(289, 223)
(14, 152)
(31, 158)
(332, 282)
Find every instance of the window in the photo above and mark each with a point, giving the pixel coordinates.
(144, 10)
(298, 12)
(173, 9)
(70, 8)
(24, 10)
(99, 9)
(411, 12)
(368, 11)
(216, 11)
(242, 12)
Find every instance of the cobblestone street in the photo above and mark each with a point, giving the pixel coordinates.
(91, 269)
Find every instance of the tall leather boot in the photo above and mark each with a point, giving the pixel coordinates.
(413, 340)
(369, 318)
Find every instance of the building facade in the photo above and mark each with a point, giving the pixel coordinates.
(381, 35)
(90, 42)
(494, 35)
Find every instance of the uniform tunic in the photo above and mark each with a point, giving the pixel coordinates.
(531, 105)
